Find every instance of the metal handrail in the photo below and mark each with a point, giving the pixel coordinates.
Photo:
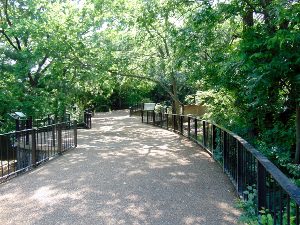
(25, 149)
(245, 165)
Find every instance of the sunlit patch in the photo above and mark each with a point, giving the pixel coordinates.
(133, 197)
(113, 202)
(136, 172)
(230, 213)
(136, 211)
(163, 147)
(193, 220)
(49, 195)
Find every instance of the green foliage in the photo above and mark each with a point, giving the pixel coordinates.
(249, 215)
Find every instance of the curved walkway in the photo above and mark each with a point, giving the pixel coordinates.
(123, 172)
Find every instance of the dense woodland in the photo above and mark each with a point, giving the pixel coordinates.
(240, 58)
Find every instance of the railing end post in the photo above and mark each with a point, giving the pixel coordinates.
(75, 133)
(33, 148)
(59, 138)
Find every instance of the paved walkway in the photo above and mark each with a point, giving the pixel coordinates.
(123, 172)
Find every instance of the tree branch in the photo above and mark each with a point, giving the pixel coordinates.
(46, 68)
(163, 39)
(18, 43)
(10, 24)
(8, 39)
(31, 80)
(6, 13)
(41, 64)
(40, 71)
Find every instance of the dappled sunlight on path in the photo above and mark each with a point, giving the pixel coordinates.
(123, 172)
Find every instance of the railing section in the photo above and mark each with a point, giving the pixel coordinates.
(250, 172)
(87, 119)
(22, 150)
(135, 108)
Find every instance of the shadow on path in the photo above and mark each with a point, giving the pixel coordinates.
(123, 172)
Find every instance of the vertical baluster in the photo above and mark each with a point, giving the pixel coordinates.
(261, 186)
(160, 119)
(281, 209)
(213, 138)
(274, 202)
(204, 133)
(147, 116)
(181, 124)
(196, 130)
(224, 137)
(33, 147)
(239, 168)
(167, 121)
(288, 210)
(189, 127)
(297, 215)
(59, 138)
(75, 133)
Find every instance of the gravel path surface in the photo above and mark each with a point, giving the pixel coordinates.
(123, 172)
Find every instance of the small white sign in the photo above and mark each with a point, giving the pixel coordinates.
(149, 106)
(20, 114)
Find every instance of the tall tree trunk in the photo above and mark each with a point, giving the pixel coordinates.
(176, 102)
(297, 155)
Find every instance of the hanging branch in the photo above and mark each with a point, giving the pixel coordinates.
(18, 47)
(8, 39)
(40, 70)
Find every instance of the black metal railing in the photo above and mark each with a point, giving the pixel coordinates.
(25, 149)
(87, 119)
(136, 108)
(251, 173)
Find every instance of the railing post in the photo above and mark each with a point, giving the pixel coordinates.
(142, 113)
(224, 136)
(161, 119)
(147, 116)
(27, 132)
(153, 117)
(75, 133)
(213, 138)
(239, 168)
(173, 121)
(261, 186)
(84, 119)
(33, 148)
(189, 127)
(49, 120)
(53, 135)
(90, 120)
(204, 133)
(167, 121)
(196, 130)
(130, 111)
(181, 123)
(59, 138)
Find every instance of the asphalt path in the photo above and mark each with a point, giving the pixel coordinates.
(123, 172)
